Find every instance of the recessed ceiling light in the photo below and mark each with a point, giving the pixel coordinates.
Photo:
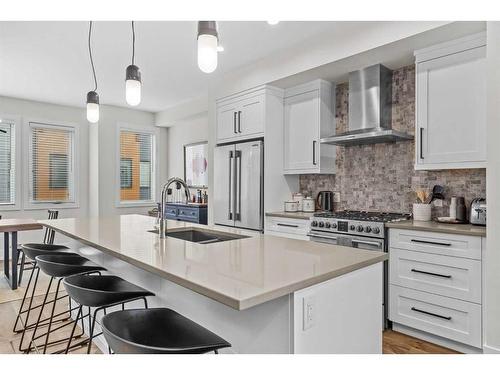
(220, 48)
(273, 22)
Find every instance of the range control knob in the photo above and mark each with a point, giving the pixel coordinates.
(334, 225)
(376, 230)
(359, 228)
(368, 229)
(327, 225)
(321, 224)
(314, 223)
(352, 227)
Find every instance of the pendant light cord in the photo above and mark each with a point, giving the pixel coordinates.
(91, 59)
(133, 43)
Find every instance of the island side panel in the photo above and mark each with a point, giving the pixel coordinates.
(342, 315)
(261, 329)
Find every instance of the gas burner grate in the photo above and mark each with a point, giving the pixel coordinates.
(383, 217)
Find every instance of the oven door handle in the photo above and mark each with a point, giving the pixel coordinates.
(371, 243)
(324, 237)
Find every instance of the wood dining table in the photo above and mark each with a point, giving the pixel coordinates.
(9, 228)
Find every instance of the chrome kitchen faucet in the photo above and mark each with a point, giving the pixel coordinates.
(163, 220)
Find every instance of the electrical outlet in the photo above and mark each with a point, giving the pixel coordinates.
(437, 203)
(309, 312)
(336, 197)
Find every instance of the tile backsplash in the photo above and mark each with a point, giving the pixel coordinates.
(381, 177)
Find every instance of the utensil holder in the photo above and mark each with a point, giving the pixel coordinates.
(421, 212)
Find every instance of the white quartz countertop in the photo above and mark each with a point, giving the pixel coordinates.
(239, 273)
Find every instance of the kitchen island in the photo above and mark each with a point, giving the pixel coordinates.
(264, 294)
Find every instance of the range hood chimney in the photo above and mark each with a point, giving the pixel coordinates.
(370, 110)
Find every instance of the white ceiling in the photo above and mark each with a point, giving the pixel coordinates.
(48, 61)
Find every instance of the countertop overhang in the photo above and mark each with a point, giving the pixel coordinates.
(240, 273)
(433, 226)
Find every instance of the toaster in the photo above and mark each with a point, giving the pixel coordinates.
(478, 211)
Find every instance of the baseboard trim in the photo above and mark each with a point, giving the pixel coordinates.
(462, 348)
(487, 349)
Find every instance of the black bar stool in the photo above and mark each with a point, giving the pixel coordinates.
(57, 267)
(48, 238)
(158, 331)
(100, 292)
(31, 251)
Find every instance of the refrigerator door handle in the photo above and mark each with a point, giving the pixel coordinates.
(231, 160)
(238, 186)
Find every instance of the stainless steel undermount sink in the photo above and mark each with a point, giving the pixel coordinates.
(201, 236)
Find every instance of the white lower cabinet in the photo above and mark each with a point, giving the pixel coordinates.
(287, 227)
(435, 284)
(441, 316)
(447, 276)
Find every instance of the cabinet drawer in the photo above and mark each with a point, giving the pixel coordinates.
(287, 225)
(171, 212)
(187, 213)
(447, 276)
(450, 318)
(436, 243)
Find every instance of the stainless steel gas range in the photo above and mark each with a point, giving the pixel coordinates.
(359, 229)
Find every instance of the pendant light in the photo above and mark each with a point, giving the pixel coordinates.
(133, 78)
(92, 96)
(207, 46)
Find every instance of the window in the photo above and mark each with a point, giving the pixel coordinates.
(51, 177)
(125, 173)
(136, 166)
(58, 171)
(7, 163)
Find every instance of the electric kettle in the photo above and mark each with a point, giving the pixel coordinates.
(324, 201)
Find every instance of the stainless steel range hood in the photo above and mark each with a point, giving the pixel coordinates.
(370, 110)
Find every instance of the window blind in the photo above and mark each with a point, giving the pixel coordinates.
(136, 166)
(7, 163)
(51, 163)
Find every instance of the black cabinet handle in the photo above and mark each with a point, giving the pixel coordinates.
(432, 242)
(431, 314)
(234, 122)
(239, 121)
(287, 225)
(421, 143)
(314, 152)
(431, 273)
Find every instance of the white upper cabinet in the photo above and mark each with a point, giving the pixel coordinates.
(309, 115)
(241, 116)
(451, 104)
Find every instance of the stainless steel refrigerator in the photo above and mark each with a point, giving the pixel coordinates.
(238, 185)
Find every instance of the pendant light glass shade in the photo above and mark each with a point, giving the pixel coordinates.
(92, 96)
(133, 78)
(207, 46)
(133, 85)
(92, 107)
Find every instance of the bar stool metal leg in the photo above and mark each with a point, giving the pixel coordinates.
(52, 316)
(26, 323)
(18, 317)
(40, 315)
(80, 312)
(21, 268)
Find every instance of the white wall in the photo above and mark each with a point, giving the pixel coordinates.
(29, 110)
(492, 257)
(111, 118)
(189, 130)
(96, 158)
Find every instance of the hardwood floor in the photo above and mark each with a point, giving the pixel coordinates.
(398, 343)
